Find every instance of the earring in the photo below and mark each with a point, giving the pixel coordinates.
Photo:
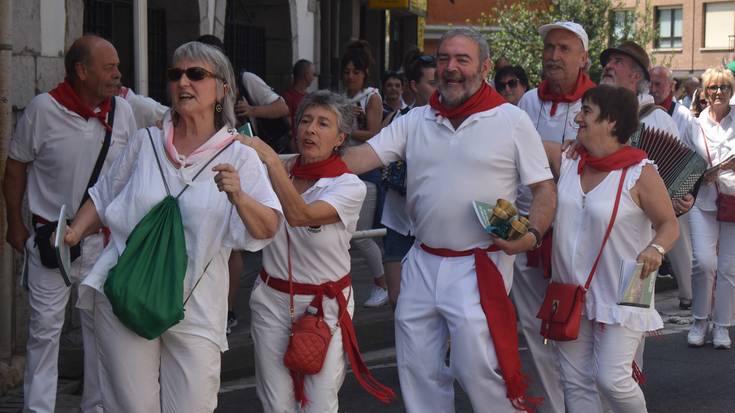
(218, 107)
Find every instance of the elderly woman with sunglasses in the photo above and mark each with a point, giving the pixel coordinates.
(307, 267)
(512, 83)
(713, 235)
(228, 204)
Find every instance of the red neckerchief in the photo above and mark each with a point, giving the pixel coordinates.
(666, 104)
(328, 168)
(484, 99)
(622, 158)
(501, 321)
(65, 95)
(583, 84)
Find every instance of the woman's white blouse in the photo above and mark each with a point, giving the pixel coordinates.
(580, 225)
(720, 140)
(212, 226)
(321, 253)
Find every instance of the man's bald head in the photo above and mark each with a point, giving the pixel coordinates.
(662, 83)
(81, 51)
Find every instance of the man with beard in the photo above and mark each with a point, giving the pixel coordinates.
(662, 89)
(626, 65)
(552, 107)
(467, 144)
(59, 140)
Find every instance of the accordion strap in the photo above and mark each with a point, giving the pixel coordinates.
(609, 228)
(709, 157)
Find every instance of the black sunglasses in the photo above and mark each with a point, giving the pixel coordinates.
(192, 73)
(500, 86)
(426, 59)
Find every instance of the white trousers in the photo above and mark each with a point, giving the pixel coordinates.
(600, 359)
(707, 231)
(529, 289)
(270, 326)
(48, 296)
(680, 257)
(439, 301)
(174, 373)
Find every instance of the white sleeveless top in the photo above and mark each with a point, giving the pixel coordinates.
(580, 225)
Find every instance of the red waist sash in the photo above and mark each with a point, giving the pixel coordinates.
(501, 321)
(333, 290)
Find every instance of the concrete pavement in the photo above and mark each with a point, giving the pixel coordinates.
(681, 379)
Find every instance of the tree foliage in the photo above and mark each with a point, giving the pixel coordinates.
(517, 22)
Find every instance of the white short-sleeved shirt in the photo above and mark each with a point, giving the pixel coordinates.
(212, 226)
(486, 158)
(658, 118)
(259, 91)
(683, 119)
(720, 139)
(319, 254)
(558, 128)
(580, 225)
(61, 149)
(147, 111)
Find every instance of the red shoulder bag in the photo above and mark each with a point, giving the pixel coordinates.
(561, 311)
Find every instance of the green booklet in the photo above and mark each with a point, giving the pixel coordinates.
(633, 290)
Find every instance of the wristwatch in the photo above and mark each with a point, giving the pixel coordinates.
(658, 248)
(536, 234)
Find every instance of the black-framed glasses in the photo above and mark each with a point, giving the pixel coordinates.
(193, 73)
(500, 86)
(721, 88)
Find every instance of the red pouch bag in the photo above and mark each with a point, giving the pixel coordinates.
(561, 311)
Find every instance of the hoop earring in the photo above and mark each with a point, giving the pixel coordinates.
(218, 107)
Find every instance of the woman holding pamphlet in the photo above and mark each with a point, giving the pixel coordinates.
(713, 216)
(613, 211)
(177, 201)
(305, 289)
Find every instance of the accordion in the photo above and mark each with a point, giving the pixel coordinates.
(680, 167)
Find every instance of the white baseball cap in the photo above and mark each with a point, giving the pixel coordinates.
(573, 27)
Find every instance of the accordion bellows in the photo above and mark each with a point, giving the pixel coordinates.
(680, 167)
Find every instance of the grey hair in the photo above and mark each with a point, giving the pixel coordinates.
(200, 52)
(669, 73)
(337, 104)
(643, 86)
(472, 34)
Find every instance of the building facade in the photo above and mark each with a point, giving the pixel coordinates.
(693, 35)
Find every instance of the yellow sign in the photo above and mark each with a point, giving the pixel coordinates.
(417, 7)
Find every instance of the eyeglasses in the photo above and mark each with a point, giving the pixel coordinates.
(192, 73)
(500, 86)
(721, 88)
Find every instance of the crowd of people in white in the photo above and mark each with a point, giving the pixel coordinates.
(187, 184)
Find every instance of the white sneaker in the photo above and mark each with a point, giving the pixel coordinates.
(378, 297)
(695, 338)
(721, 338)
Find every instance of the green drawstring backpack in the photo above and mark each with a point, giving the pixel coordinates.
(146, 286)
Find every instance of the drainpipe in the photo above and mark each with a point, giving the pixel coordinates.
(140, 45)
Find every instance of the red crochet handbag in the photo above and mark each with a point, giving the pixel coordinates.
(310, 334)
(561, 311)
